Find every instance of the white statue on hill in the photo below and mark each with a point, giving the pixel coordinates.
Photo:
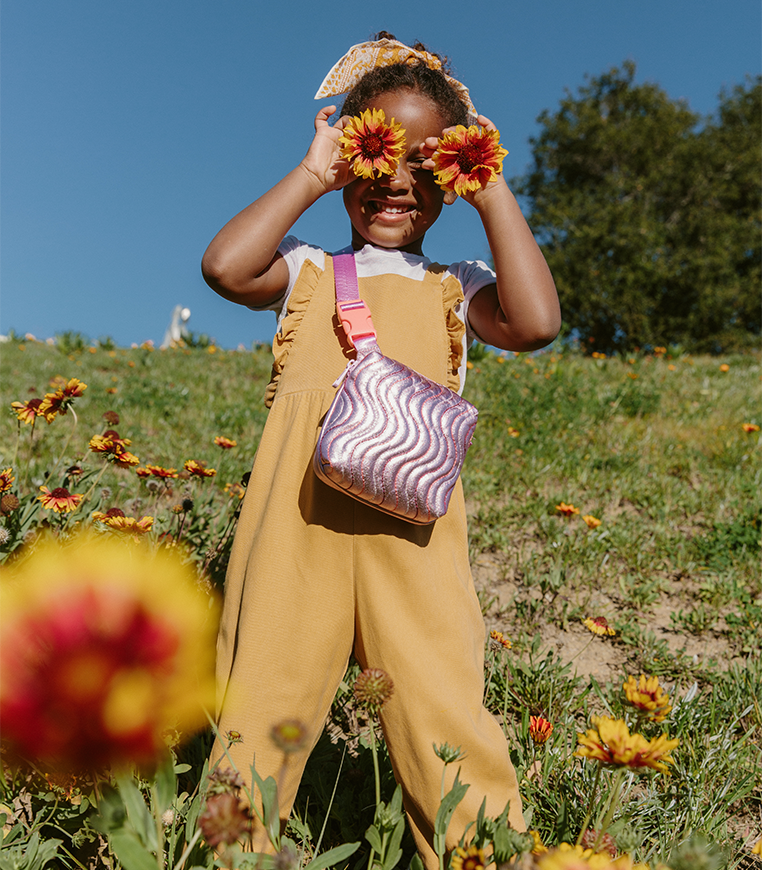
(177, 329)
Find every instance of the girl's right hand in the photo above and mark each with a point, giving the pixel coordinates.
(323, 160)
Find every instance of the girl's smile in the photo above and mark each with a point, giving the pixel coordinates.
(396, 211)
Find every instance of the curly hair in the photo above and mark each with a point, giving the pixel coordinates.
(415, 76)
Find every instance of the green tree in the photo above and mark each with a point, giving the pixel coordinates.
(650, 219)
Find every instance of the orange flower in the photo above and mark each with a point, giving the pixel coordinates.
(610, 742)
(599, 625)
(468, 159)
(158, 471)
(235, 490)
(540, 729)
(59, 500)
(6, 479)
(27, 411)
(750, 427)
(647, 696)
(225, 443)
(724, 367)
(500, 640)
(59, 401)
(115, 519)
(568, 510)
(113, 448)
(592, 522)
(195, 468)
(372, 146)
(104, 646)
(51, 406)
(472, 858)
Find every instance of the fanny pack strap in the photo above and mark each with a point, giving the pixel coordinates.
(353, 313)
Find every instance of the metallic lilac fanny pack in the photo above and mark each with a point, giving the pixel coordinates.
(392, 437)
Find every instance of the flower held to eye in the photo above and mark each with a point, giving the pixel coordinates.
(468, 159)
(372, 146)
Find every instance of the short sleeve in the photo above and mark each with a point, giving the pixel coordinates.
(295, 253)
(472, 275)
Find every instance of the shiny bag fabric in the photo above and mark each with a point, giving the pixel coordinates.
(394, 439)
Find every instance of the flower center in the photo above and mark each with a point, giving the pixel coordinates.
(372, 146)
(60, 492)
(469, 156)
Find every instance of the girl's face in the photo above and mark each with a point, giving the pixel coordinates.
(394, 211)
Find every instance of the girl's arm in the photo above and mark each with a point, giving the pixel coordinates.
(242, 263)
(520, 311)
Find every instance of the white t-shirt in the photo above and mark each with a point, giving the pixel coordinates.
(370, 260)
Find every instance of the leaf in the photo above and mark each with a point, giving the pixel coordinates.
(333, 856)
(137, 811)
(132, 854)
(268, 790)
(373, 836)
(165, 784)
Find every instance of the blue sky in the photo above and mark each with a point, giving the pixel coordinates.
(131, 131)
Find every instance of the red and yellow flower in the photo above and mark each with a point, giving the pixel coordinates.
(114, 448)
(197, 469)
(500, 640)
(472, 858)
(59, 401)
(104, 647)
(610, 742)
(591, 521)
(648, 697)
(235, 490)
(467, 159)
(372, 146)
(540, 729)
(27, 411)
(568, 510)
(747, 427)
(59, 500)
(225, 443)
(599, 625)
(161, 472)
(115, 519)
(6, 479)
(568, 857)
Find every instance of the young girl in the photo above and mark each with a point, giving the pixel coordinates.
(314, 574)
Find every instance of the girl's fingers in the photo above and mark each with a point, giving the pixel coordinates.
(485, 122)
(321, 119)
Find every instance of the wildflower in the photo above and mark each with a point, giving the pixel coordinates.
(372, 146)
(111, 417)
(607, 843)
(50, 407)
(27, 411)
(513, 433)
(448, 754)
(114, 448)
(59, 500)
(224, 779)
(539, 847)
(647, 696)
(289, 735)
(5, 536)
(540, 729)
(500, 640)
(223, 820)
(757, 848)
(610, 742)
(74, 471)
(225, 443)
(468, 159)
(115, 519)
(592, 522)
(599, 625)
(103, 648)
(724, 367)
(472, 858)
(373, 688)
(235, 490)
(567, 857)
(750, 427)
(197, 469)
(59, 401)
(159, 471)
(167, 817)
(234, 737)
(6, 479)
(8, 504)
(568, 510)
(142, 472)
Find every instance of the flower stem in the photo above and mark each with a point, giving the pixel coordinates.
(374, 750)
(68, 441)
(95, 483)
(590, 805)
(612, 806)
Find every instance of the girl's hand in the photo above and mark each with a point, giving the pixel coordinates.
(323, 160)
(472, 197)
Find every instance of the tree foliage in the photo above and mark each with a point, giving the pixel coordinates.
(649, 216)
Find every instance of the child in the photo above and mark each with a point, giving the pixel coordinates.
(315, 575)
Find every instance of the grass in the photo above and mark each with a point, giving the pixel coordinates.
(652, 446)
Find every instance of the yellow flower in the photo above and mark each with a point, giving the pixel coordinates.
(468, 159)
(610, 742)
(372, 146)
(472, 858)
(115, 519)
(747, 427)
(757, 849)
(724, 367)
(599, 625)
(235, 490)
(225, 443)
(500, 640)
(539, 847)
(567, 857)
(28, 411)
(646, 695)
(105, 645)
(592, 522)
(568, 510)
(59, 500)
(289, 735)
(159, 471)
(198, 470)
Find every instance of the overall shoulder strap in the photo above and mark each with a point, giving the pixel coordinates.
(353, 313)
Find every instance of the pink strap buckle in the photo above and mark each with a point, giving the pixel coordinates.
(355, 320)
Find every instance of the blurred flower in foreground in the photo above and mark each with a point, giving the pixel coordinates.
(59, 499)
(567, 857)
(289, 735)
(568, 510)
(104, 646)
(224, 819)
(610, 742)
(724, 367)
(599, 625)
(750, 427)
(647, 696)
(540, 729)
